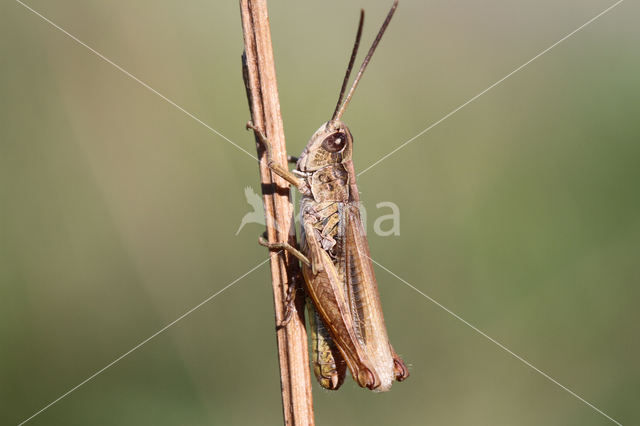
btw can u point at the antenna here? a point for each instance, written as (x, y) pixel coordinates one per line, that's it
(339, 111)
(354, 53)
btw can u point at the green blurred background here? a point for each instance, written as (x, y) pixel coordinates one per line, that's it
(521, 213)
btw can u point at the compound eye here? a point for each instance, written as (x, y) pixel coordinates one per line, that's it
(335, 142)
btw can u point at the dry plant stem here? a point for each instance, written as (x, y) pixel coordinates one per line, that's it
(262, 92)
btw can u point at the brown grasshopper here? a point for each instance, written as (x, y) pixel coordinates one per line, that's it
(348, 328)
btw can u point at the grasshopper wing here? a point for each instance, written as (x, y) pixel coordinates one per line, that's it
(365, 303)
(330, 298)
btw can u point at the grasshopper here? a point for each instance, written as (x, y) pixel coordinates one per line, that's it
(348, 329)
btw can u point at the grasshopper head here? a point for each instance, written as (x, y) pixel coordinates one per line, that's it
(331, 144)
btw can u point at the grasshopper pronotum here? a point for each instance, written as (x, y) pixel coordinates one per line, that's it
(348, 328)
